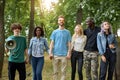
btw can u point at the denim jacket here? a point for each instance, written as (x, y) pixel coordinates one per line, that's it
(101, 42)
(36, 47)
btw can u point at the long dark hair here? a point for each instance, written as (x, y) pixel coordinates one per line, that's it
(41, 29)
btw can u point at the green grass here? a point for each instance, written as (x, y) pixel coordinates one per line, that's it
(47, 70)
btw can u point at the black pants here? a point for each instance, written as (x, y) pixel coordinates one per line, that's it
(109, 65)
(12, 67)
(77, 57)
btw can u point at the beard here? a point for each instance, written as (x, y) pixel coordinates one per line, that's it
(61, 24)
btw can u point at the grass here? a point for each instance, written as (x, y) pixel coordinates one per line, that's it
(47, 70)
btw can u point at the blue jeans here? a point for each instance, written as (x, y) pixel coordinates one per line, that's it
(109, 64)
(77, 57)
(37, 67)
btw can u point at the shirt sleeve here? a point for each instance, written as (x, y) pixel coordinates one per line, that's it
(30, 48)
(25, 43)
(99, 45)
(69, 36)
(52, 37)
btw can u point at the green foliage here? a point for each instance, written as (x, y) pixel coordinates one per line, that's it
(100, 10)
(16, 11)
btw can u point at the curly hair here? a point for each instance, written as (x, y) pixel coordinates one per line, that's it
(41, 29)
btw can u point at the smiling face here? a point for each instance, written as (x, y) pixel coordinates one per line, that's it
(90, 22)
(106, 26)
(38, 32)
(61, 21)
(79, 30)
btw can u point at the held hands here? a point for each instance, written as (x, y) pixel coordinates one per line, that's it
(68, 55)
(27, 60)
(103, 58)
(111, 46)
(50, 56)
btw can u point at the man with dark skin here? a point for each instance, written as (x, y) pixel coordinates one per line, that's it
(91, 51)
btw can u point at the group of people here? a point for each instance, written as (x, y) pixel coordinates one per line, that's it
(82, 48)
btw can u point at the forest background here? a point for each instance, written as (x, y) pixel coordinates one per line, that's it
(44, 13)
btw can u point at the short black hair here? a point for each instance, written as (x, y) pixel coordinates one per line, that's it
(89, 19)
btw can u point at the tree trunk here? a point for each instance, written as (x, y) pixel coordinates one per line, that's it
(117, 70)
(79, 15)
(2, 36)
(31, 27)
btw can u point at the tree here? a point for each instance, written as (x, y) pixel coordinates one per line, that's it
(2, 36)
(16, 11)
(79, 15)
(31, 27)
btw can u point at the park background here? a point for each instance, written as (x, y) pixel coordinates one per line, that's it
(44, 13)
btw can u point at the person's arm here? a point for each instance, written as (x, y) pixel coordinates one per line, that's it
(6, 50)
(69, 46)
(46, 46)
(114, 44)
(30, 48)
(69, 50)
(51, 48)
(100, 49)
(72, 44)
(52, 38)
(26, 56)
(26, 52)
(99, 44)
(85, 39)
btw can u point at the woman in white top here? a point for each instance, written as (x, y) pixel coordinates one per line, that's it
(77, 46)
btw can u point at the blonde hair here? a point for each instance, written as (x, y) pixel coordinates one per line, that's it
(80, 32)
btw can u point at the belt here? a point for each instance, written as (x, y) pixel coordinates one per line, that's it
(77, 51)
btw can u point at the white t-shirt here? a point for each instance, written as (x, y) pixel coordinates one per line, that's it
(78, 43)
